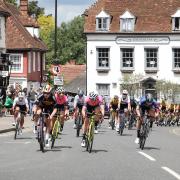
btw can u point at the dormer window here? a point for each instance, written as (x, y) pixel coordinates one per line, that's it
(176, 21)
(127, 21)
(102, 21)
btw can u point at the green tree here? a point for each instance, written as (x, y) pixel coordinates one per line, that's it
(131, 83)
(12, 2)
(34, 10)
(46, 24)
(71, 41)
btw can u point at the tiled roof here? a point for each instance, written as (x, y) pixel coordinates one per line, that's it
(3, 9)
(71, 72)
(151, 15)
(17, 37)
(78, 83)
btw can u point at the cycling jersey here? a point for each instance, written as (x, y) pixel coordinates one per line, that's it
(91, 105)
(79, 101)
(46, 103)
(23, 105)
(146, 106)
(61, 102)
(123, 104)
(114, 104)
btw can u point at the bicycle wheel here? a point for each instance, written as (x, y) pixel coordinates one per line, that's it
(91, 137)
(55, 132)
(41, 134)
(16, 129)
(78, 125)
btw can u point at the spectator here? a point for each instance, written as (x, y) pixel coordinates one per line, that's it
(32, 97)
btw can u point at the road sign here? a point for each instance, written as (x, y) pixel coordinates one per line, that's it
(56, 69)
(58, 80)
(4, 73)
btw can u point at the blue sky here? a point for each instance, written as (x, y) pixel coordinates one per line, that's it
(67, 9)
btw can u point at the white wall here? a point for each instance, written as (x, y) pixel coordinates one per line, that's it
(2, 38)
(114, 74)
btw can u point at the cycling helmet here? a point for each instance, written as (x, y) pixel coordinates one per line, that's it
(116, 97)
(93, 95)
(47, 88)
(21, 94)
(149, 97)
(60, 90)
(125, 92)
(80, 93)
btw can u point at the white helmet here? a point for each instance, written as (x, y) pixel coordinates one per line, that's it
(93, 95)
(125, 92)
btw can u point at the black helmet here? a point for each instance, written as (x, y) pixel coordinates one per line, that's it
(149, 97)
(80, 93)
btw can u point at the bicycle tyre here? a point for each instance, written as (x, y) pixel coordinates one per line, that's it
(91, 138)
(78, 125)
(16, 130)
(55, 132)
(41, 134)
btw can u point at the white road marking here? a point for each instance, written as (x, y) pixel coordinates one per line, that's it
(147, 156)
(170, 171)
(27, 142)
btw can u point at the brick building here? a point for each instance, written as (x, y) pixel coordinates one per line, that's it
(26, 49)
(132, 37)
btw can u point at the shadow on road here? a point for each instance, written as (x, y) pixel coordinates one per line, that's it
(150, 148)
(63, 147)
(23, 138)
(98, 150)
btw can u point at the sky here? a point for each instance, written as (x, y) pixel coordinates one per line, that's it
(67, 9)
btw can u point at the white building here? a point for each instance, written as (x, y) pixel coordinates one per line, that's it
(132, 38)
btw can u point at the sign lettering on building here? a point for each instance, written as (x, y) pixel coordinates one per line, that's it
(142, 40)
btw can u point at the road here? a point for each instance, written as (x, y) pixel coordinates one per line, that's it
(114, 157)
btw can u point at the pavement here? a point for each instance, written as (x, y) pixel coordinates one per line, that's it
(6, 123)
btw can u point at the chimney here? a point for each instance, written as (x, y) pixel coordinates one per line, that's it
(24, 7)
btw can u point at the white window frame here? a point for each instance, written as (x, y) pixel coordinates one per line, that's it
(21, 62)
(145, 59)
(98, 58)
(100, 86)
(104, 24)
(105, 21)
(34, 61)
(39, 61)
(173, 54)
(29, 62)
(174, 17)
(122, 58)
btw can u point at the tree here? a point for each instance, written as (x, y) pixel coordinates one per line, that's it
(167, 89)
(34, 10)
(46, 24)
(12, 2)
(71, 41)
(131, 83)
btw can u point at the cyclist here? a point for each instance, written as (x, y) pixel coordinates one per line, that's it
(20, 104)
(93, 103)
(124, 107)
(113, 109)
(47, 102)
(147, 105)
(61, 105)
(79, 102)
(163, 105)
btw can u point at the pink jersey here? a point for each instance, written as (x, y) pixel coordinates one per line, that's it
(61, 99)
(98, 101)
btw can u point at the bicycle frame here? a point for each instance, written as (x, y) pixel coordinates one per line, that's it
(145, 128)
(90, 134)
